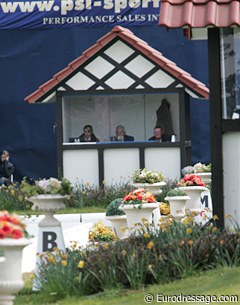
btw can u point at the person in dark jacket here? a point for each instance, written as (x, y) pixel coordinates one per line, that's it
(158, 136)
(6, 169)
(88, 135)
(121, 134)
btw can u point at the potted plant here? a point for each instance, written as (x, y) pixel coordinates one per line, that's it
(13, 238)
(47, 194)
(177, 199)
(151, 180)
(193, 186)
(138, 205)
(117, 217)
(204, 171)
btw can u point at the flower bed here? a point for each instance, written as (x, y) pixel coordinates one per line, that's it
(172, 251)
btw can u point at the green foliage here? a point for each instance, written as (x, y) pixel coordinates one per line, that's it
(176, 192)
(113, 208)
(12, 198)
(222, 281)
(175, 250)
(170, 184)
(86, 195)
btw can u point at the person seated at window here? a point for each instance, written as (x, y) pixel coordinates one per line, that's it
(159, 136)
(88, 135)
(121, 134)
(6, 169)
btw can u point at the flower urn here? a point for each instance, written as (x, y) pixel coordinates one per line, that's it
(150, 180)
(177, 205)
(48, 202)
(206, 177)
(136, 213)
(10, 269)
(117, 218)
(154, 188)
(194, 192)
(119, 224)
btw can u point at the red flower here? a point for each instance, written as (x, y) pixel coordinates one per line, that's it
(139, 196)
(191, 180)
(11, 226)
(16, 234)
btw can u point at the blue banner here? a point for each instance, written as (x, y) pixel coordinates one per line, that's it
(65, 13)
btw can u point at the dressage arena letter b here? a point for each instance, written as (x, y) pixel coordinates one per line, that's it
(49, 239)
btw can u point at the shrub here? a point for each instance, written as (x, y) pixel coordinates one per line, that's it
(113, 208)
(176, 192)
(170, 184)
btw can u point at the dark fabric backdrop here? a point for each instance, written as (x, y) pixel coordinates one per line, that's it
(28, 58)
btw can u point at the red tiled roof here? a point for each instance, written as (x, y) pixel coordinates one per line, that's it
(136, 43)
(199, 13)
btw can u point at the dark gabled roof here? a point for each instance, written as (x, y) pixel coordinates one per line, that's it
(46, 90)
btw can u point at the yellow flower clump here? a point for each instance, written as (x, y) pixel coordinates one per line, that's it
(100, 232)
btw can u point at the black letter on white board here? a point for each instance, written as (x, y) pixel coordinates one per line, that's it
(204, 201)
(49, 241)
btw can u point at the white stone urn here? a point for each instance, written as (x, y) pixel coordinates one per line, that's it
(10, 269)
(137, 212)
(118, 222)
(177, 205)
(194, 192)
(50, 234)
(48, 202)
(205, 176)
(154, 188)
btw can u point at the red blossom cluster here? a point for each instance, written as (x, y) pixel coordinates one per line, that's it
(191, 180)
(11, 226)
(138, 196)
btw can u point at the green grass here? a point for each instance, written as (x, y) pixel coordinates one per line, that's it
(91, 209)
(223, 281)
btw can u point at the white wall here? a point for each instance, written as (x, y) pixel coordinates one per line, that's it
(81, 166)
(231, 174)
(164, 159)
(119, 164)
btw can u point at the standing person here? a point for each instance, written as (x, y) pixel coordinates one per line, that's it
(121, 134)
(6, 169)
(88, 135)
(159, 136)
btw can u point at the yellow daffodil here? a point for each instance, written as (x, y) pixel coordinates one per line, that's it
(64, 263)
(146, 235)
(124, 252)
(150, 245)
(81, 264)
